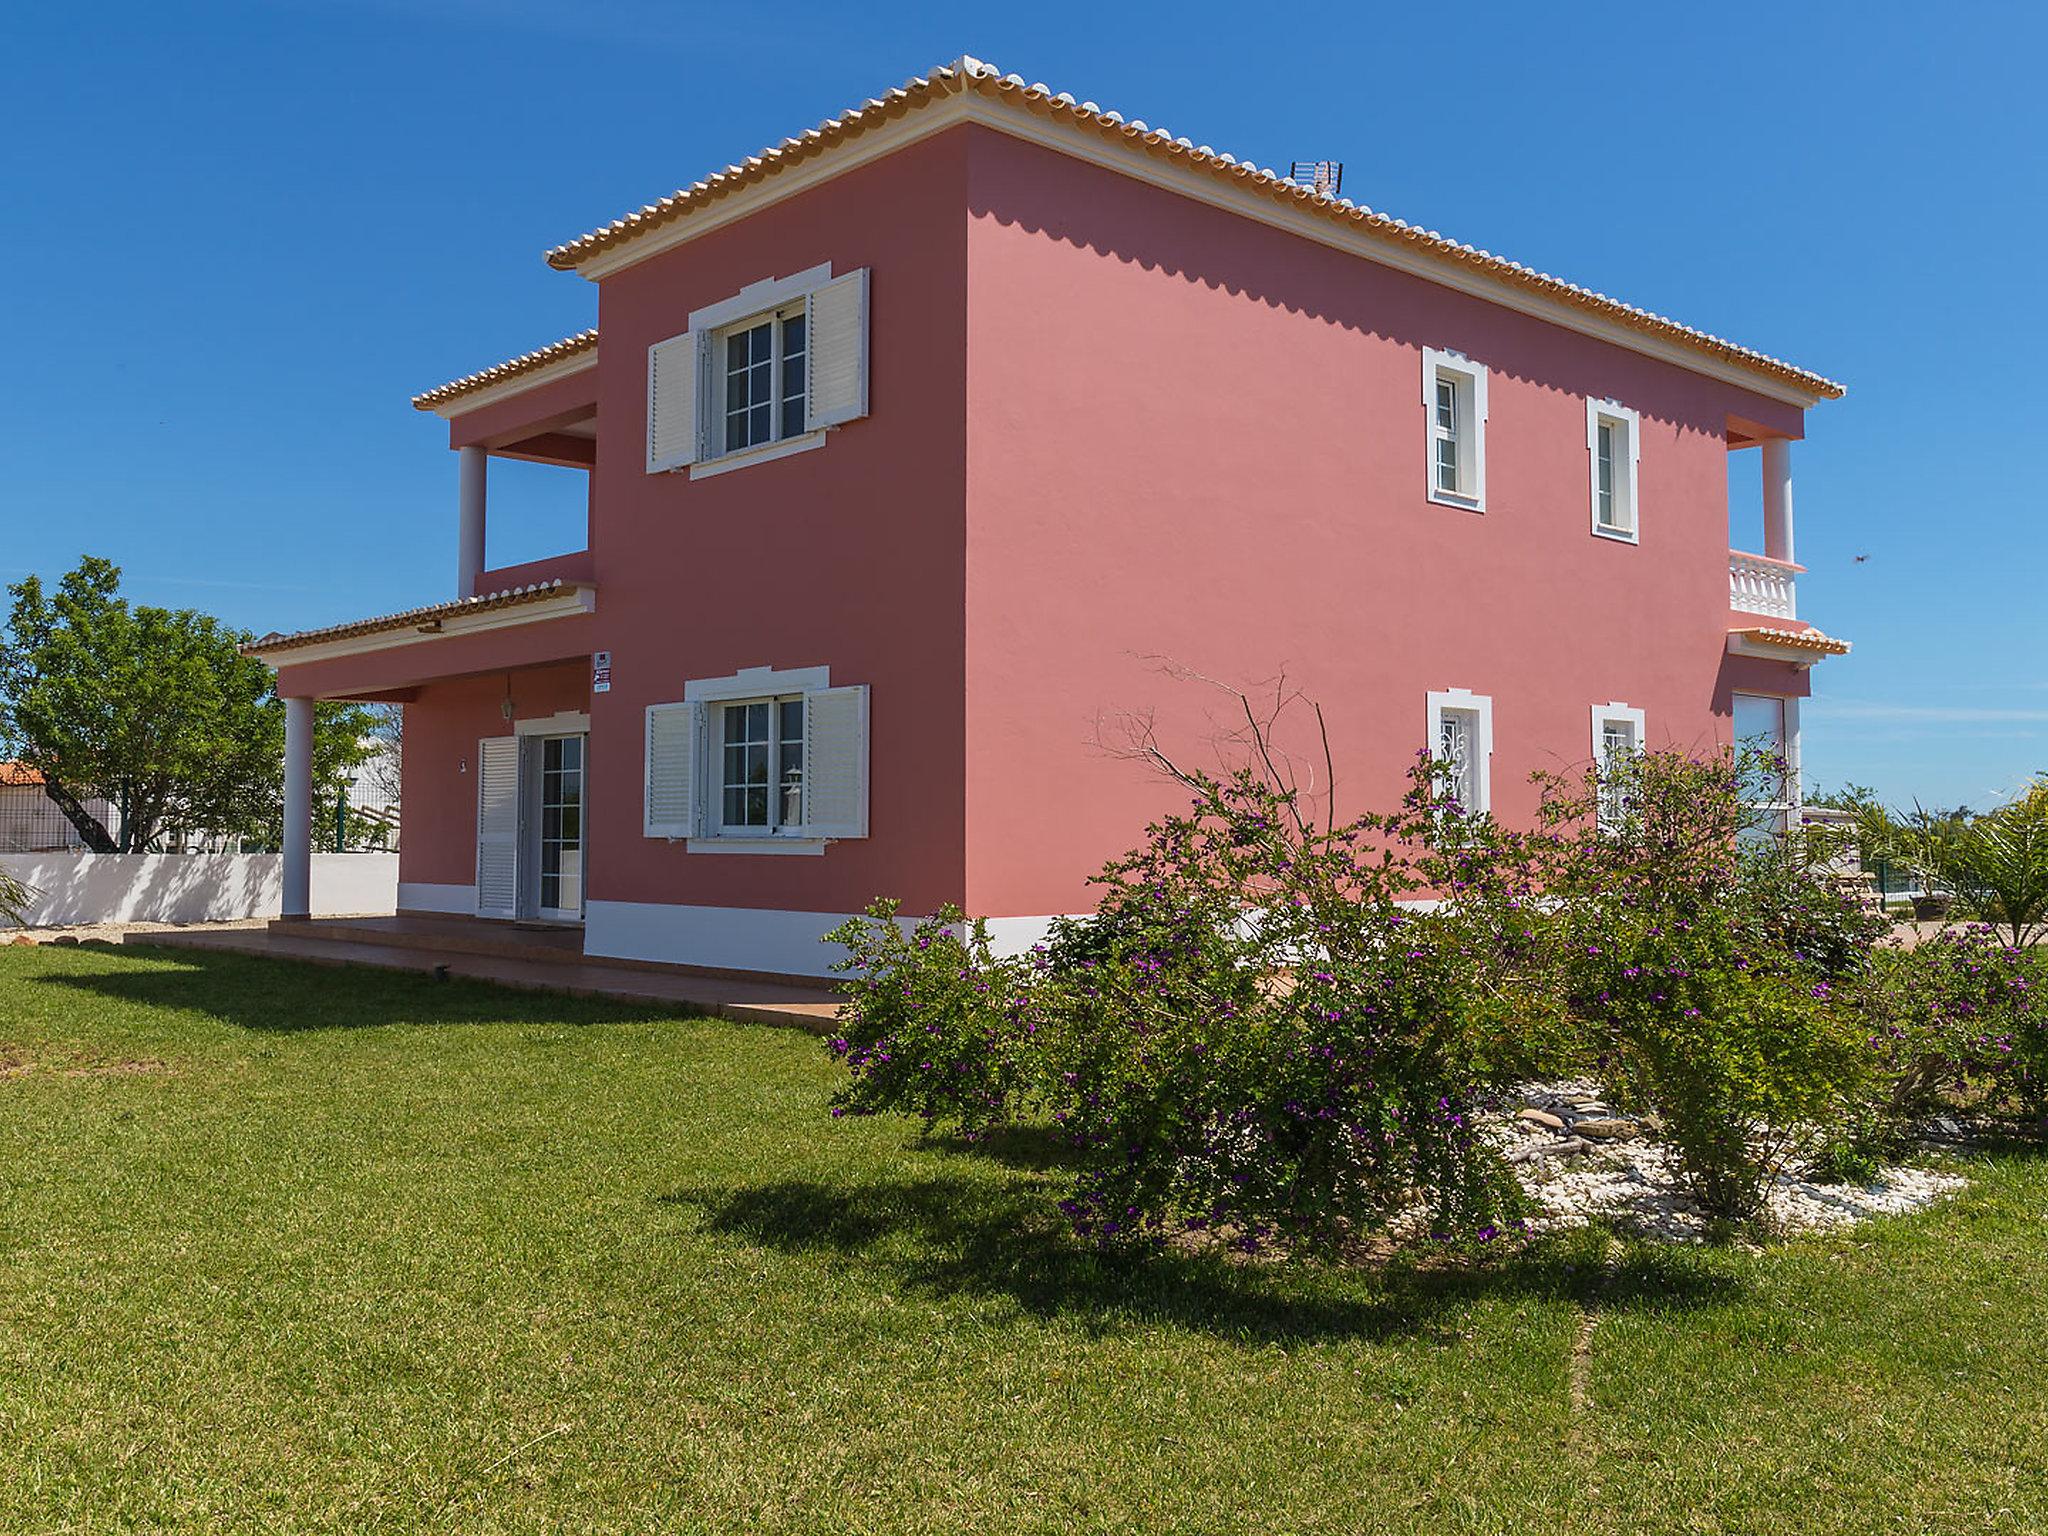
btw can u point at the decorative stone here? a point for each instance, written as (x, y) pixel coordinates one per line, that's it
(1607, 1130)
(1541, 1117)
(1566, 1148)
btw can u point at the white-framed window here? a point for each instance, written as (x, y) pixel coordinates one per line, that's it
(1454, 403)
(763, 761)
(1461, 741)
(1617, 736)
(1769, 723)
(760, 375)
(1613, 448)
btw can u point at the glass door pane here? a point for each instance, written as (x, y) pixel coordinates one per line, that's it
(561, 826)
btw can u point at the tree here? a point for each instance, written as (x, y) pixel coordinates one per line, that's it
(155, 710)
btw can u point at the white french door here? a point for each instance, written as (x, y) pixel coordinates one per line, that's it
(557, 833)
(530, 803)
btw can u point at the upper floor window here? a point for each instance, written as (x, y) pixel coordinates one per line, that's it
(1454, 396)
(765, 381)
(1613, 444)
(761, 374)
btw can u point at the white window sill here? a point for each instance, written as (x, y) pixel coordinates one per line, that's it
(1450, 499)
(761, 455)
(770, 845)
(1619, 535)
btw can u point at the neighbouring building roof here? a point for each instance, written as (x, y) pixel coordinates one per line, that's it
(427, 620)
(19, 776)
(966, 75)
(498, 373)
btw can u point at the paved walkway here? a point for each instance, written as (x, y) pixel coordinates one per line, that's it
(788, 1004)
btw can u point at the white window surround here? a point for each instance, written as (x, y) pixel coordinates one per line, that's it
(1468, 379)
(1628, 426)
(702, 697)
(566, 722)
(1480, 708)
(687, 374)
(1786, 708)
(1614, 711)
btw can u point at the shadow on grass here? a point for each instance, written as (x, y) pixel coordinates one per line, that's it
(276, 995)
(951, 1236)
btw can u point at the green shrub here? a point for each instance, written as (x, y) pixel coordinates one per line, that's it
(1959, 1019)
(933, 1023)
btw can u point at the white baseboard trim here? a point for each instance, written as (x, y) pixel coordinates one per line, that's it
(415, 896)
(745, 938)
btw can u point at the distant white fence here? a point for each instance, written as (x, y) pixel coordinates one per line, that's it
(192, 887)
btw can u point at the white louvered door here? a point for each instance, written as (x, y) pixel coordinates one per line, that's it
(497, 826)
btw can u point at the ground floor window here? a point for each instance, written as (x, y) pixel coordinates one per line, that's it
(1768, 724)
(761, 758)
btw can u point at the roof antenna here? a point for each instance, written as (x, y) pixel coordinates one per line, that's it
(1326, 176)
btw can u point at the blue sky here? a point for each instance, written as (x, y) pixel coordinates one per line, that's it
(241, 236)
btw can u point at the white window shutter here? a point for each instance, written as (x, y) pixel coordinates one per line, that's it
(675, 371)
(836, 762)
(674, 734)
(497, 826)
(838, 352)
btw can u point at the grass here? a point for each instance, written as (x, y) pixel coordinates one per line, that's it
(286, 1248)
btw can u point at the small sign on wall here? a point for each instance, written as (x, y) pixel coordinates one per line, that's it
(600, 671)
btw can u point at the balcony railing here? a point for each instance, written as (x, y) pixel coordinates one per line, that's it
(1760, 585)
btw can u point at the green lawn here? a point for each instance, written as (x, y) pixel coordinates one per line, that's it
(289, 1248)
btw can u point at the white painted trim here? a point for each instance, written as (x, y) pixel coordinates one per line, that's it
(1622, 416)
(760, 297)
(1124, 159)
(564, 722)
(505, 389)
(744, 458)
(754, 683)
(1437, 361)
(737, 844)
(747, 938)
(1614, 710)
(416, 896)
(1480, 705)
(572, 601)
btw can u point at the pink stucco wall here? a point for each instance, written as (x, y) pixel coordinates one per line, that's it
(442, 728)
(1109, 426)
(849, 556)
(1194, 437)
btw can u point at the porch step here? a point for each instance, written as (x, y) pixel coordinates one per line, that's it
(807, 1006)
(447, 936)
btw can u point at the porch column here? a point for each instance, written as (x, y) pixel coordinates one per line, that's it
(469, 532)
(298, 807)
(1778, 498)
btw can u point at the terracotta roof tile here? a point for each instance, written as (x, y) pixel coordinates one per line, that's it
(512, 368)
(412, 618)
(1798, 639)
(969, 74)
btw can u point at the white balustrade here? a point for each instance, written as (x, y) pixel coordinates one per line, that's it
(1758, 585)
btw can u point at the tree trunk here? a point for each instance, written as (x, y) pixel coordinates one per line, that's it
(87, 825)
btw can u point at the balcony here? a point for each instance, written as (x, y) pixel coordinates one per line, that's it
(1759, 584)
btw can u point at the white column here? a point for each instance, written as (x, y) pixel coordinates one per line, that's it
(298, 807)
(469, 535)
(1778, 498)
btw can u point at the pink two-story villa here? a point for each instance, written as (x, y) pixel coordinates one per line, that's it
(917, 441)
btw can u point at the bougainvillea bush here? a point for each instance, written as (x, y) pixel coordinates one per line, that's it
(1960, 1019)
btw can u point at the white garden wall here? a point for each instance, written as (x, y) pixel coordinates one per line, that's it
(192, 887)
